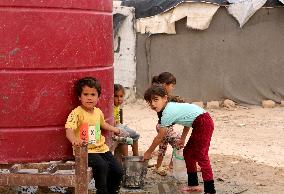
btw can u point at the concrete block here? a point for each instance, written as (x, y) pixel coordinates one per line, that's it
(213, 105)
(201, 104)
(268, 104)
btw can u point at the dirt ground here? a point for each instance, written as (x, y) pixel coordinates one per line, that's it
(246, 149)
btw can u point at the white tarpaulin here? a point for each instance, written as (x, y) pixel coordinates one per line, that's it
(199, 16)
(156, 24)
(242, 10)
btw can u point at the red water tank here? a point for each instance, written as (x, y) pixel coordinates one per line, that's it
(45, 46)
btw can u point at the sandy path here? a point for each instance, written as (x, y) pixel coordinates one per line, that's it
(249, 132)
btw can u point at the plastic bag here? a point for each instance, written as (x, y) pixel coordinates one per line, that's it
(179, 167)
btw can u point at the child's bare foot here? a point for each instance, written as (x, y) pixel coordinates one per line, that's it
(185, 189)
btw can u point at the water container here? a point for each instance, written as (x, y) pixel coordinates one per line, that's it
(134, 171)
(45, 46)
(179, 167)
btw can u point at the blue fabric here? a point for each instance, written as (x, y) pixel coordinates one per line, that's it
(132, 133)
(180, 113)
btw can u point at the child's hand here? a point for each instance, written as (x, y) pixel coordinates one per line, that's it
(77, 142)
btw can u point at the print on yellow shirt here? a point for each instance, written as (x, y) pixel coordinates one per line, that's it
(79, 118)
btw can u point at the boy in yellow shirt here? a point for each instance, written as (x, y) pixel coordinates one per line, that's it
(106, 170)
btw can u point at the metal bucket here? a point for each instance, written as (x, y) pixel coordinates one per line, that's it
(134, 171)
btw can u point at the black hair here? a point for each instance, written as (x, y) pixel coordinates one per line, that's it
(176, 99)
(155, 90)
(159, 90)
(118, 87)
(164, 78)
(90, 82)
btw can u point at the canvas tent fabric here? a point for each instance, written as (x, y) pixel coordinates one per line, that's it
(242, 10)
(158, 16)
(147, 8)
(156, 25)
(244, 65)
(199, 16)
(274, 3)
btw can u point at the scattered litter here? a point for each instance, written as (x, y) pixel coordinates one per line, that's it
(220, 179)
(241, 191)
(260, 184)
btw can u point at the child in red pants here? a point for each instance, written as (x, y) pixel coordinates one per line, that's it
(196, 149)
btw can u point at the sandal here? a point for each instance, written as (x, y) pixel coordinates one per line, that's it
(191, 189)
(160, 171)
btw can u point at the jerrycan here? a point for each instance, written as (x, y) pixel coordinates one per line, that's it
(179, 167)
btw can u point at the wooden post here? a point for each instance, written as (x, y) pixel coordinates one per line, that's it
(45, 175)
(81, 166)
